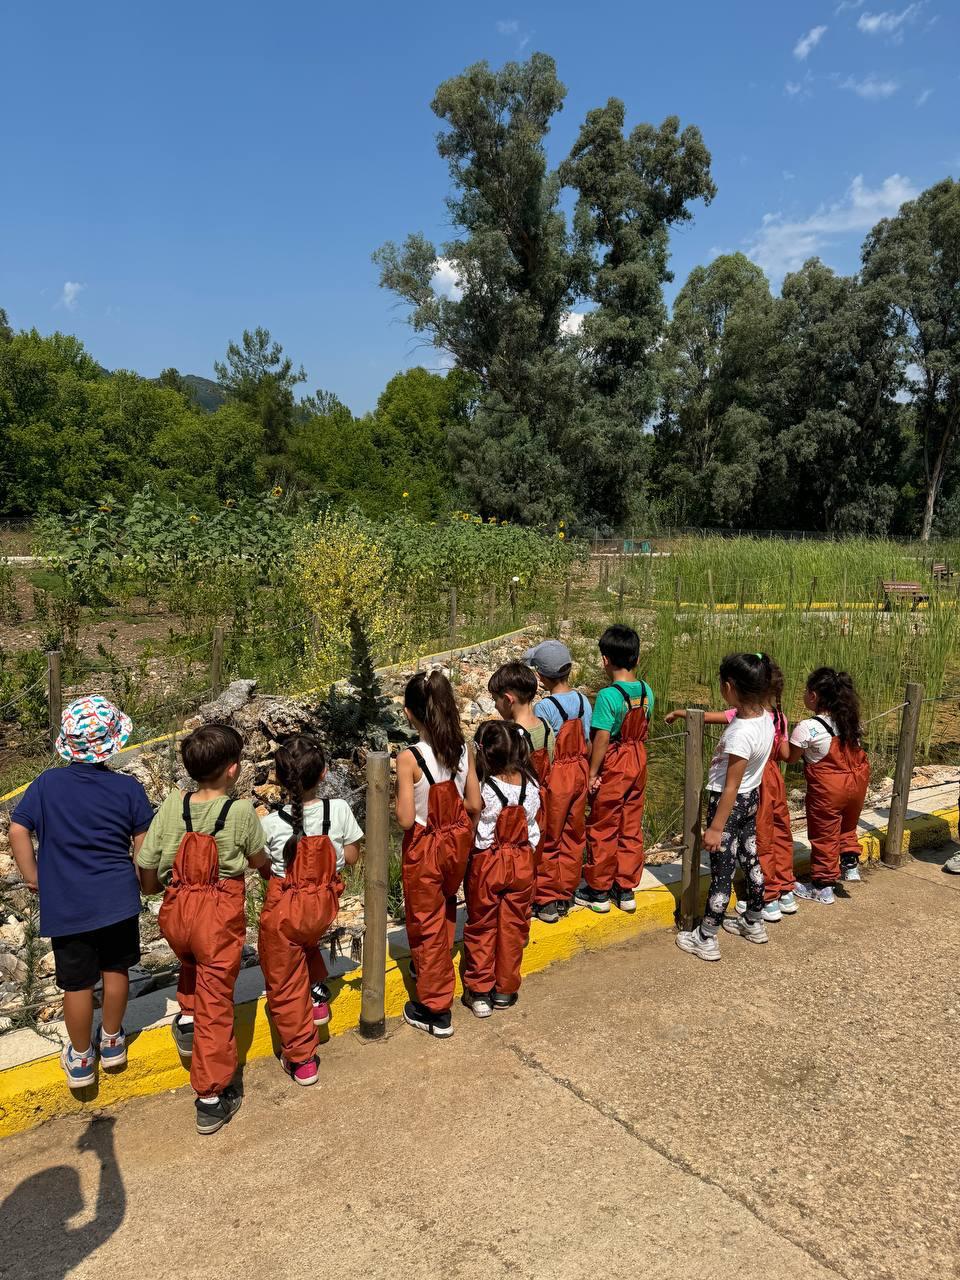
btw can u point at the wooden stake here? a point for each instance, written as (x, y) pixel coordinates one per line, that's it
(740, 591)
(216, 662)
(678, 592)
(376, 866)
(566, 596)
(54, 696)
(710, 592)
(620, 594)
(893, 851)
(453, 618)
(692, 800)
(813, 588)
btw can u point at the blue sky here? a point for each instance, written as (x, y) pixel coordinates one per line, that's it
(173, 174)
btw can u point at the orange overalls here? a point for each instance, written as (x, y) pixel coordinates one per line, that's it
(836, 789)
(774, 835)
(432, 869)
(615, 823)
(540, 760)
(203, 918)
(298, 910)
(563, 833)
(500, 886)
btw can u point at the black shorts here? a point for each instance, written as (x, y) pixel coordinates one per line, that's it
(81, 957)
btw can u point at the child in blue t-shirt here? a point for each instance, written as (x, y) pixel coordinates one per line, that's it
(88, 822)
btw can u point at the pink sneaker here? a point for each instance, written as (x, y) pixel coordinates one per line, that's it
(321, 1005)
(304, 1073)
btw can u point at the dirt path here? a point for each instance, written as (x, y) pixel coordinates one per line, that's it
(791, 1112)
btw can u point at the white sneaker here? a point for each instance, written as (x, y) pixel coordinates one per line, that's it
(695, 943)
(771, 910)
(753, 931)
(788, 904)
(851, 874)
(810, 893)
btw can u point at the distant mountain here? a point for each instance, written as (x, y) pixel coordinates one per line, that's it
(204, 392)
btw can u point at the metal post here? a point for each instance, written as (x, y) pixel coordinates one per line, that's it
(453, 617)
(54, 696)
(692, 799)
(376, 861)
(216, 662)
(893, 851)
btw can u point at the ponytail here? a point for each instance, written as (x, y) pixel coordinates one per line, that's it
(431, 702)
(751, 674)
(837, 696)
(503, 747)
(299, 765)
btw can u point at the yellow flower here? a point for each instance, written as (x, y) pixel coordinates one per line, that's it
(405, 494)
(562, 524)
(106, 509)
(504, 522)
(194, 519)
(276, 491)
(561, 535)
(75, 529)
(491, 520)
(230, 502)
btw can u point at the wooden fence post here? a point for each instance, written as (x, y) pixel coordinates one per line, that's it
(692, 799)
(492, 606)
(513, 600)
(216, 662)
(813, 588)
(376, 865)
(453, 617)
(678, 592)
(893, 852)
(710, 592)
(741, 587)
(620, 595)
(54, 696)
(566, 596)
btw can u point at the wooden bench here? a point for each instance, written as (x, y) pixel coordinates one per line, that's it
(942, 573)
(912, 591)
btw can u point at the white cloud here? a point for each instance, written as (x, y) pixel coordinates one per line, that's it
(806, 44)
(782, 245)
(70, 295)
(848, 4)
(924, 97)
(572, 323)
(446, 281)
(871, 87)
(508, 26)
(887, 23)
(799, 88)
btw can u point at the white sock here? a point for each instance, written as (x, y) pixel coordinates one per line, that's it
(186, 1020)
(82, 1053)
(213, 1098)
(111, 1035)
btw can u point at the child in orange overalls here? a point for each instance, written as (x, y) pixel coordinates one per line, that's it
(502, 872)
(774, 834)
(838, 775)
(308, 845)
(618, 777)
(199, 845)
(438, 801)
(513, 688)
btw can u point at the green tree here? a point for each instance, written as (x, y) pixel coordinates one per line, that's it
(258, 375)
(914, 259)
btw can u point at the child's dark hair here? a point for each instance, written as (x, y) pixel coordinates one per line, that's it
(751, 674)
(299, 764)
(837, 696)
(209, 750)
(775, 694)
(516, 678)
(503, 747)
(430, 700)
(621, 646)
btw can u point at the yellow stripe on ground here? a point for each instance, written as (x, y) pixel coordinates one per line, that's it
(35, 1091)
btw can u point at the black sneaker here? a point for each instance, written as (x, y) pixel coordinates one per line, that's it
(547, 912)
(563, 907)
(624, 898)
(182, 1037)
(435, 1024)
(596, 899)
(212, 1116)
(500, 1001)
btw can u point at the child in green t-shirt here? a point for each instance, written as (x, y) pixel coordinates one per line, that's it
(618, 777)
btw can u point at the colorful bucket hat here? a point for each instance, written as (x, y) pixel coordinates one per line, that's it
(92, 730)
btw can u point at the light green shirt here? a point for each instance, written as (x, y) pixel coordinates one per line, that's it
(610, 708)
(240, 840)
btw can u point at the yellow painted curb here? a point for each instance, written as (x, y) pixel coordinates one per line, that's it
(35, 1091)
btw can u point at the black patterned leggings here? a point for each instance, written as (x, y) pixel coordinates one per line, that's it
(737, 845)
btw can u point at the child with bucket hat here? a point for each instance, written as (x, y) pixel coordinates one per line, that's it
(88, 822)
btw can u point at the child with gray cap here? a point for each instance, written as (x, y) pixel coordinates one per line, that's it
(563, 840)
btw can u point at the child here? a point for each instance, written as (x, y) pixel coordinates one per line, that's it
(736, 772)
(199, 846)
(618, 777)
(563, 839)
(774, 834)
(838, 774)
(308, 846)
(86, 819)
(513, 688)
(501, 874)
(438, 801)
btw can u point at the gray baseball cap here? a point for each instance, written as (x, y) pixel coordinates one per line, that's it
(549, 658)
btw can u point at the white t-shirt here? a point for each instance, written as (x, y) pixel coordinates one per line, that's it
(344, 829)
(492, 808)
(421, 789)
(750, 739)
(814, 738)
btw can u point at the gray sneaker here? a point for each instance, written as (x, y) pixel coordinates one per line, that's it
(952, 865)
(703, 945)
(182, 1037)
(753, 931)
(212, 1116)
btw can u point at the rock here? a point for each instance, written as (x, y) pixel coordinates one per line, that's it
(236, 695)
(486, 705)
(12, 968)
(47, 966)
(193, 722)
(149, 928)
(14, 932)
(8, 868)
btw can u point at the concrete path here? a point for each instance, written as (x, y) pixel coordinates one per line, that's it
(790, 1113)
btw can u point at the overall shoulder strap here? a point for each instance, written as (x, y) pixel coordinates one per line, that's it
(422, 765)
(523, 790)
(326, 817)
(580, 707)
(282, 814)
(623, 694)
(559, 706)
(221, 821)
(497, 792)
(187, 819)
(820, 720)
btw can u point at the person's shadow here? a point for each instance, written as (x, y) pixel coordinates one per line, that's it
(40, 1243)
